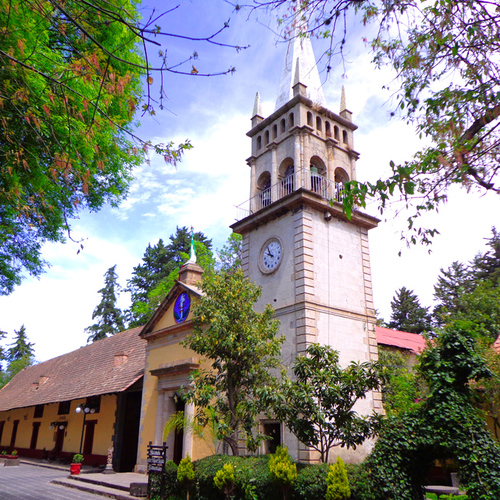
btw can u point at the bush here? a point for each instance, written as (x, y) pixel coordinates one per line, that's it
(337, 482)
(359, 481)
(311, 482)
(173, 490)
(225, 479)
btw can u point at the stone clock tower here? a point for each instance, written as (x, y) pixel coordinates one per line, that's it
(312, 261)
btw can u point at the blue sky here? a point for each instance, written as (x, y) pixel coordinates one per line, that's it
(214, 113)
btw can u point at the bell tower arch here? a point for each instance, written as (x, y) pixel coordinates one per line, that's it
(311, 260)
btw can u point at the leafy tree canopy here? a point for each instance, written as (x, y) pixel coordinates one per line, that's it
(241, 346)
(444, 54)
(109, 317)
(70, 84)
(317, 405)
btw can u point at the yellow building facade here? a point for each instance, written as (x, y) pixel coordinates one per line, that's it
(167, 373)
(85, 401)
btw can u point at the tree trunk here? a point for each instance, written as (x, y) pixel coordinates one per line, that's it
(233, 443)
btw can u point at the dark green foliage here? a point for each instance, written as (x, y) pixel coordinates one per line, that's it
(451, 286)
(158, 264)
(317, 406)
(21, 347)
(109, 317)
(403, 388)
(249, 470)
(481, 307)
(173, 489)
(487, 266)
(446, 425)
(407, 313)
(311, 482)
(359, 480)
(254, 472)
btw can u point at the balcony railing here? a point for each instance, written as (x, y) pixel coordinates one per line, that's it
(311, 181)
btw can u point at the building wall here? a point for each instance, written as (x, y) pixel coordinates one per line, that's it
(73, 423)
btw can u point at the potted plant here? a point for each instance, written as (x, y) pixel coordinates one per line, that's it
(76, 465)
(11, 459)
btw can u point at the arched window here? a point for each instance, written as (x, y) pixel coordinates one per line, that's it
(336, 133)
(275, 131)
(283, 126)
(259, 142)
(341, 177)
(328, 129)
(264, 186)
(318, 124)
(286, 172)
(290, 121)
(319, 182)
(309, 118)
(266, 138)
(344, 137)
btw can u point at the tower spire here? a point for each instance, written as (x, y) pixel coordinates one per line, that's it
(343, 106)
(299, 53)
(257, 107)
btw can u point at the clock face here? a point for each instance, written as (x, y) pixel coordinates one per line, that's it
(270, 255)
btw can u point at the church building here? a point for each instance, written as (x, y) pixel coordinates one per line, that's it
(312, 262)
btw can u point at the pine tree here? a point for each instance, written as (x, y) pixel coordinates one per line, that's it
(158, 262)
(452, 284)
(21, 347)
(407, 313)
(487, 266)
(109, 317)
(3, 352)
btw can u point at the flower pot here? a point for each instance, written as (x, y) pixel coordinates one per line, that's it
(74, 469)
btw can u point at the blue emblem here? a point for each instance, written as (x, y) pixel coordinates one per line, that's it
(181, 307)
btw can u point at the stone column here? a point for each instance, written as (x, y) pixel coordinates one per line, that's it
(187, 443)
(274, 174)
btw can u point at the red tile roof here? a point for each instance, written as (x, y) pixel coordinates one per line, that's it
(403, 340)
(104, 367)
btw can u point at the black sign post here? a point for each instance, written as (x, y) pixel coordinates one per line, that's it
(157, 456)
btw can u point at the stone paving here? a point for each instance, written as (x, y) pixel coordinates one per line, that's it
(29, 482)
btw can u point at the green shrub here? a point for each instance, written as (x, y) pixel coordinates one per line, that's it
(359, 481)
(253, 479)
(283, 470)
(225, 480)
(337, 482)
(185, 471)
(185, 474)
(310, 483)
(173, 490)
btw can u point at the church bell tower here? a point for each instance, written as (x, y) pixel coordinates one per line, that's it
(311, 261)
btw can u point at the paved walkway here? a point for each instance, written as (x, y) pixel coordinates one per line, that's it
(41, 481)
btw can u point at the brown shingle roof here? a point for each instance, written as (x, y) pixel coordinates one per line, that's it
(88, 371)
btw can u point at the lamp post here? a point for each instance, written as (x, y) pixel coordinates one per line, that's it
(85, 409)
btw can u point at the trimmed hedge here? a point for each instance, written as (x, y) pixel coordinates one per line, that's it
(254, 471)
